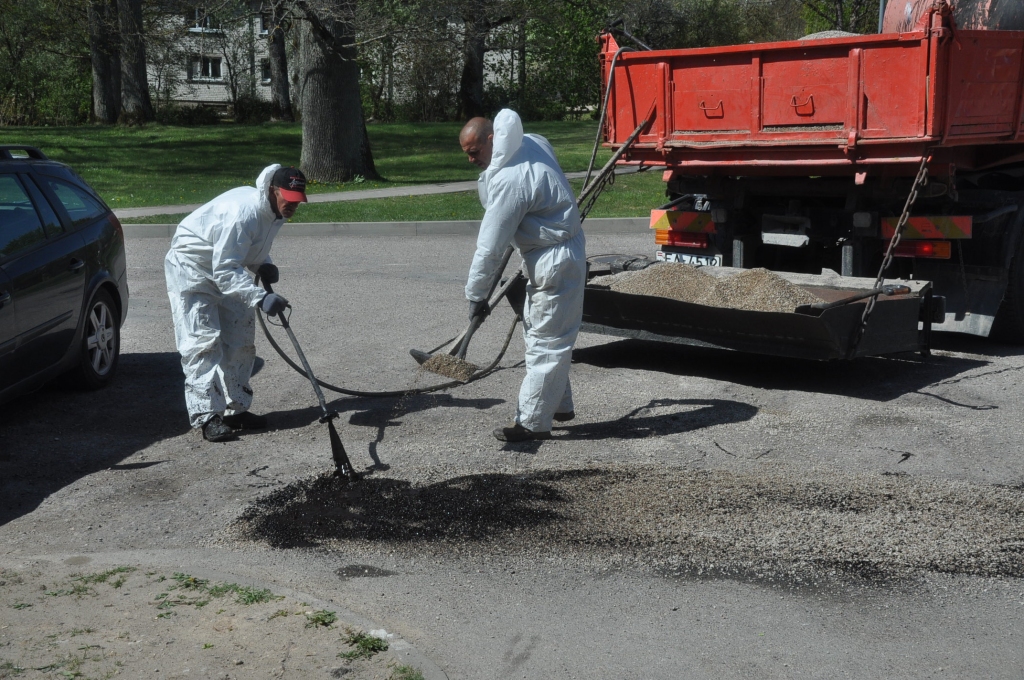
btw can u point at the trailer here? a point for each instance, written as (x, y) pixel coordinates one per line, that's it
(799, 157)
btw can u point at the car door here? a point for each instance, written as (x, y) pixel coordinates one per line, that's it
(46, 272)
(8, 331)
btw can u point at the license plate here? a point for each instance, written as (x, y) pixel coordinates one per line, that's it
(686, 258)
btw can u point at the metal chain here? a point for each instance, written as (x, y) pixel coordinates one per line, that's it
(920, 181)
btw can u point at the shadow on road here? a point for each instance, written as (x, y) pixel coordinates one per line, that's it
(874, 378)
(58, 435)
(378, 413)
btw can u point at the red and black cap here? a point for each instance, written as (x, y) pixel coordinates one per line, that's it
(292, 184)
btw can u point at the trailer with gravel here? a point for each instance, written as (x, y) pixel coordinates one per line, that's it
(803, 158)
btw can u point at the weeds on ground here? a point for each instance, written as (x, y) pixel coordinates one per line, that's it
(407, 673)
(102, 576)
(320, 617)
(20, 605)
(246, 595)
(365, 645)
(9, 669)
(78, 590)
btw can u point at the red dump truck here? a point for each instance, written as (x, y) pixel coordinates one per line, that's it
(799, 157)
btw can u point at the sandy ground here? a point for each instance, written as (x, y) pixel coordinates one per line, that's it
(537, 560)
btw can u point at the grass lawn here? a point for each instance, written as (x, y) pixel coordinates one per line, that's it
(166, 165)
(630, 196)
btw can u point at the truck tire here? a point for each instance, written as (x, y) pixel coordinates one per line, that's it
(1009, 322)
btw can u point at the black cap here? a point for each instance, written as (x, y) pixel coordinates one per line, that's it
(292, 184)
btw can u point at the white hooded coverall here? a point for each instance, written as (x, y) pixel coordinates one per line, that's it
(528, 201)
(213, 297)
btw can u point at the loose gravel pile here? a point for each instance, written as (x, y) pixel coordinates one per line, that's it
(779, 525)
(825, 35)
(450, 367)
(756, 290)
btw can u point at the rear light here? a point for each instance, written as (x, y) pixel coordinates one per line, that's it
(939, 250)
(682, 239)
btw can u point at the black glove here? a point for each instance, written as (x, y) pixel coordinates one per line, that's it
(268, 273)
(273, 304)
(478, 308)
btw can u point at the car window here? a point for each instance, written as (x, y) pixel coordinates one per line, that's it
(80, 205)
(20, 226)
(51, 225)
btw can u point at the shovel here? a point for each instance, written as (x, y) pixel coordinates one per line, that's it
(818, 308)
(461, 342)
(342, 465)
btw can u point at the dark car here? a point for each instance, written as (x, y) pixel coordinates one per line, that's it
(63, 290)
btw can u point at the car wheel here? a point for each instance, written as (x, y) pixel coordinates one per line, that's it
(101, 342)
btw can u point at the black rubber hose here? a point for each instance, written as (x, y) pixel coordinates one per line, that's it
(604, 108)
(392, 393)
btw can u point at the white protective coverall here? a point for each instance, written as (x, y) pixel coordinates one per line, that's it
(528, 201)
(213, 297)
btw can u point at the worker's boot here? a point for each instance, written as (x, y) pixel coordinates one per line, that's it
(246, 421)
(565, 417)
(518, 433)
(216, 430)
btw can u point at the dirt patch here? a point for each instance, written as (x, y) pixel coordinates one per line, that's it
(136, 623)
(808, 525)
(757, 290)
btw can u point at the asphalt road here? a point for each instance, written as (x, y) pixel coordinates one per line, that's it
(117, 477)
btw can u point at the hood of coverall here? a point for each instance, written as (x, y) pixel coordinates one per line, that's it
(508, 138)
(263, 187)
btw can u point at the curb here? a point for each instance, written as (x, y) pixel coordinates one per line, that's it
(597, 225)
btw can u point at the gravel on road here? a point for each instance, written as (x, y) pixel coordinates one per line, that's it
(777, 524)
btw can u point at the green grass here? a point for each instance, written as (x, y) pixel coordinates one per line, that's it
(364, 646)
(407, 673)
(167, 165)
(321, 617)
(630, 196)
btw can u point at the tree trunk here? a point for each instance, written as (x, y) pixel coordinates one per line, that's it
(280, 99)
(335, 146)
(471, 87)
(106, 64)
(135, 103)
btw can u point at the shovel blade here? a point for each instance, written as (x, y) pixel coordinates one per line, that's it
(343, 467)
(419, 355)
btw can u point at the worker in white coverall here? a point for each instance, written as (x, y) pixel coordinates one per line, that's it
(209, 270)
(528, 202)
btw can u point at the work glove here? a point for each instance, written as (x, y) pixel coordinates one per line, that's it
(273, 304)
(478, 308)
(269, 273)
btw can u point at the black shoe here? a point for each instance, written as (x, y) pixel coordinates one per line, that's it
(565, 417)
(216, 430)
(246, 421)
(518, 433)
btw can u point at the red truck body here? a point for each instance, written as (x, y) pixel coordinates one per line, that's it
(847, 105)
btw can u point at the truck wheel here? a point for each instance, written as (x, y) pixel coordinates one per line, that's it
(1009, 321)
(101, 342)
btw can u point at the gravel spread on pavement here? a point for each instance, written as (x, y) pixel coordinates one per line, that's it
(778, 524)
(450, 367)
(756, 290)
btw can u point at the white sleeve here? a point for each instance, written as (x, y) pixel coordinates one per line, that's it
(505, 210)
(232, 238)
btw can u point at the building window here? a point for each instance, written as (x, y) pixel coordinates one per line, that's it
(205, 68)
(200, 21)
(265, 22)
(265, 70)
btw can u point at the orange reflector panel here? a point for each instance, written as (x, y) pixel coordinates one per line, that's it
(939, 250)
(945, 226)
(682, 220)
(683, 239)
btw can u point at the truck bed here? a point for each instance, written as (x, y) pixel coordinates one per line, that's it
(833, 106)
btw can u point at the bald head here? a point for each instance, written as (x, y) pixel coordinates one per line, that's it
(477, 140)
